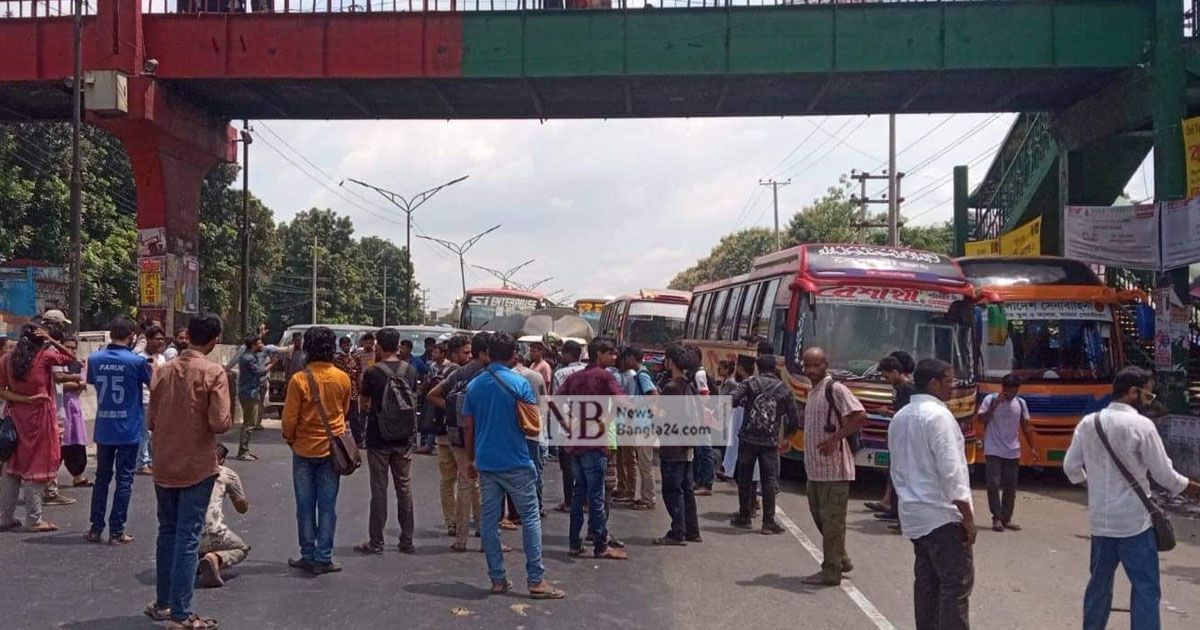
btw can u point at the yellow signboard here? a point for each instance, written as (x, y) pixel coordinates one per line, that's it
(1026, 240)
(1191, 142)
(150, 279)
(990, 247)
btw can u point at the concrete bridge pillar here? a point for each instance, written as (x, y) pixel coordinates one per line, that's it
(172, 144)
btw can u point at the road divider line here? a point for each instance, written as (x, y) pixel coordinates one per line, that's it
(847, 586)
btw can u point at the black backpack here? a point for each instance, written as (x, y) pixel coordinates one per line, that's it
(762, 415)
(397, 415)
(854, 440)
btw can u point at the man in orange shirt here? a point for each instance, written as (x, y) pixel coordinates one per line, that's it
(189, 407)
(316, 482)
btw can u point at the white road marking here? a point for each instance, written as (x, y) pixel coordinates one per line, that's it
(847, 586)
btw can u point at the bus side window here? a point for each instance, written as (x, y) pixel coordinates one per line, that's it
(729, 322)
(762, 327)
(701, 307)
(749, 303)
(619, 324)
(693, 310)
(718, 313)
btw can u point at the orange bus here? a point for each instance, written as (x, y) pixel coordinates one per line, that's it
(859, 303)
(1062, 339)
(649, 319)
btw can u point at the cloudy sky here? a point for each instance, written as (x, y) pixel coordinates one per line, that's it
(604, 207)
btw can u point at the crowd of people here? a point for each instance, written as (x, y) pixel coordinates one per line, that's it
(478, 403)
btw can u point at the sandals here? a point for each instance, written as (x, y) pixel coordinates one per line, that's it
(193, 622)
(123, 539)
(503, 548)
(551, 593)
(40, 528)
(613, 553)
(247, 457)
(459, 547)
(508, 525)
(157, 613)
(641, 505)
(501, 587)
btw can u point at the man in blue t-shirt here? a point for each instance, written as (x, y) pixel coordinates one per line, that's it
(118, 376)
(499, 456)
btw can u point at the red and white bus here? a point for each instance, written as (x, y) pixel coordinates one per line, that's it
(498, 310)
(649, 319)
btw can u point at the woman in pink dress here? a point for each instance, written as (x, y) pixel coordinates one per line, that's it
(27, 383)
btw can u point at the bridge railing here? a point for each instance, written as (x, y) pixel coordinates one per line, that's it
(59, 8)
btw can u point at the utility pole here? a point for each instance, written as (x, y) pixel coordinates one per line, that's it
(775, 193)
(76, 255)
(505, 276)
(893, 186)
(461, 250)
(314, 281)
(384, 296)
(408, 206)
(864, 201)
(245, 275)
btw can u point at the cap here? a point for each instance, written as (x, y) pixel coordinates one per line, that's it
(56, 316)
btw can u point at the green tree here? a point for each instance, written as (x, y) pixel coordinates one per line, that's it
(733, 255)
(829, 219)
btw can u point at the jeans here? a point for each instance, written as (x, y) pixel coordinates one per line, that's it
(316, 486)
(704, 467)
(681, 503)
(124, 459)
(827, 503)
(1139, 555)
(943, 576)
(180, 522)
(535, 453)
(145, 457)
(397, 461)
(766, 459)
(520, 484)
(1002, 486)
(590, 468)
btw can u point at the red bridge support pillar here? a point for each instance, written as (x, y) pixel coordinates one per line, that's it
(172, 145)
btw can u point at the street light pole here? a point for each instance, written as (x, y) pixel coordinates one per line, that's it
(245, 275)
(461, 249)
(74, 304)
(385, 296)
(505, 276)
(408, 205)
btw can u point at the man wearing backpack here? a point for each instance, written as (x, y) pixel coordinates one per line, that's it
(389, 395)
(1005, 417)
(768, 407)
(831, 415)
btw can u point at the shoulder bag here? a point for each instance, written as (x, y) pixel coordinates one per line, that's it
(529, 417)
(1164, 533)
(342, 448)
(854, 440)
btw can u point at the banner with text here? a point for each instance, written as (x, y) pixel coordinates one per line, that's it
(1180, 233)
(1126, 236)
(1025, 240)
(990, 247)
(1191, 143)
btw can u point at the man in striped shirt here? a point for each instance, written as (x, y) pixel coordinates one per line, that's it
(831, 414)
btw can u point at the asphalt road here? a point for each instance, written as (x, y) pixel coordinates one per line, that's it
(734, 579)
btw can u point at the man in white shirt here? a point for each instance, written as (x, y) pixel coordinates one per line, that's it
(572, 354)
(930, 476)
(1120, 524)
(1005, 417)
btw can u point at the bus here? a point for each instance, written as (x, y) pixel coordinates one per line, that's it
(857, 302)
(589, 309)
(1062, 339)
(649, 319)
(498, 310)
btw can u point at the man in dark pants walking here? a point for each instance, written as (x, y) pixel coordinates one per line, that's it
(571, 353)
(676, 461)
(929, 470)
(1006, 417)
(768, 407)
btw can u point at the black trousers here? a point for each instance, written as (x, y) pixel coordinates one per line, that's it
(568, 476)
(767, 458)
(677, 492)
(74, 457)
(1002, 476)
(943, 576)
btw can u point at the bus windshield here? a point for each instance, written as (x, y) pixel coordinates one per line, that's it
(590, 311)
(497, 313)
(1045, 346)
(856, 336)
(653, 325)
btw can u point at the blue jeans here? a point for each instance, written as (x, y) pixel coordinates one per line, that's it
(316, 485)
(180, 521)
(144, 456)
(124, 460)
(1139, 555)
(521, 485)
(705, 467)
(539, 460)
(589, 468)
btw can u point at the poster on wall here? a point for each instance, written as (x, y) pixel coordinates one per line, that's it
(151, 270)
(1170, 329)
(1180, 233)
(990, 247)
(1191, 143)
(1025, 240)
(187, 286)
(1125, 236)
(152, 242)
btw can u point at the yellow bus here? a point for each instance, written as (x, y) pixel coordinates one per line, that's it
(859, 303)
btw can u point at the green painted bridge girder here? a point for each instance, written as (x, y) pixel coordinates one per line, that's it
(1002, 35)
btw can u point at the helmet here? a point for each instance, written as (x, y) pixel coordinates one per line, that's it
(551, 340)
